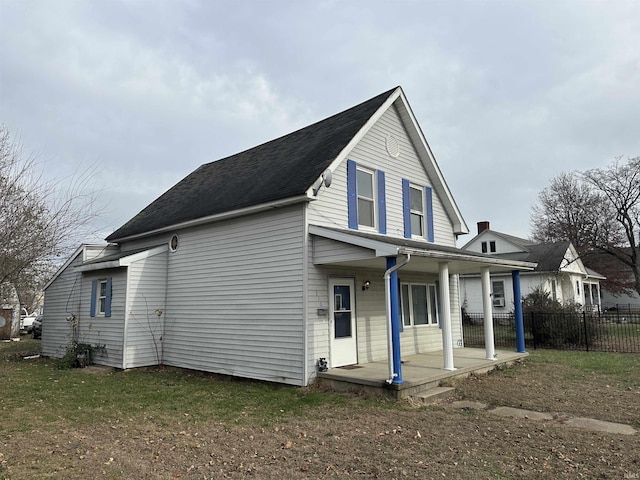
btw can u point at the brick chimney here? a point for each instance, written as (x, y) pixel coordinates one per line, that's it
(482, 226)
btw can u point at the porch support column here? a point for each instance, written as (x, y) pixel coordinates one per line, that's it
(445, 312)
(394, 305)
(517, 303)
(487, 305)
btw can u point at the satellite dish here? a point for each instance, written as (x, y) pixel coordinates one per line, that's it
(326, 177)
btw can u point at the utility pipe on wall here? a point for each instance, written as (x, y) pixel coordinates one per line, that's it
(393, 334)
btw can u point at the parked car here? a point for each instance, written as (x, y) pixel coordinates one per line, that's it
(27, 322)
(36, 328)
(23, 314)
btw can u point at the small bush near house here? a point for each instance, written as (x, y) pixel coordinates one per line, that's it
(552, 324)
(80, 355)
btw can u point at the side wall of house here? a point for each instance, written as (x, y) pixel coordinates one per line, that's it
(69, 296)
(61, 299)
(330, 209)
(101, 330)
(146, 306)
(235, 297)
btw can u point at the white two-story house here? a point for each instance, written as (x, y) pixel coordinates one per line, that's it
(334, 242)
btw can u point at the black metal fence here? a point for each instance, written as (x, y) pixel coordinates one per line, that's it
(607, 331)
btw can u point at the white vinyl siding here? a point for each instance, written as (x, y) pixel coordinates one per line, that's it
(146, 311)
(101, 330)
(235, 297)
(70, 295)
(330, 209)
(61, 299)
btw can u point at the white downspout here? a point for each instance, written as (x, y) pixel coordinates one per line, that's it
(387, 286)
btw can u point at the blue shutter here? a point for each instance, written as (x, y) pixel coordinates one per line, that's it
(429, 213)
(94, 291)
(107, 302)
(382, 204)
(406, 208)
(352, 194)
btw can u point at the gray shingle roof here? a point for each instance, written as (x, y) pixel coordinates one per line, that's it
(282, 168)
(548, 256)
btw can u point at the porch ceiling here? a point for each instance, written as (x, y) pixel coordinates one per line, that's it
(368, 250)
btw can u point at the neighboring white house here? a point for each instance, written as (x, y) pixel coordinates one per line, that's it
(559, 271)
(260, 264)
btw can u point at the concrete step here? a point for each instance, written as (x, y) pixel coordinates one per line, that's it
(433, 395)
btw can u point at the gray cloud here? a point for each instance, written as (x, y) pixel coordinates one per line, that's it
(509, 94)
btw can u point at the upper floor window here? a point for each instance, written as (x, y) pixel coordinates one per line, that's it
(366, 199)
(492, 246)
(417, 211)
(417, 205)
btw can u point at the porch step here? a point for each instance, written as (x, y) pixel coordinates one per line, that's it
(433, 395)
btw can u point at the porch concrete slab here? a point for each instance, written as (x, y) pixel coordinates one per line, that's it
(601, 426)
(521, 413)
(419, 372)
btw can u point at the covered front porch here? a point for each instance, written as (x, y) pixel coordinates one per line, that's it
(420, 372)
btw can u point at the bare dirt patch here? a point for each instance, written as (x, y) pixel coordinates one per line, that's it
(347, 439)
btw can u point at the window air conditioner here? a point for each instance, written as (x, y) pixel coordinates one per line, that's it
(498, 302)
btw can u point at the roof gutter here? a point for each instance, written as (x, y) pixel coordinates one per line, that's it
(217, 217)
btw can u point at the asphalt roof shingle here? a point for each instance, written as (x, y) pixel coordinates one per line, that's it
(282, 168)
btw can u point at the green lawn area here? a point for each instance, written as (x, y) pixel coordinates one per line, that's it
(173, 423)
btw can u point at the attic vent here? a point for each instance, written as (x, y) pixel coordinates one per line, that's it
(392, 146)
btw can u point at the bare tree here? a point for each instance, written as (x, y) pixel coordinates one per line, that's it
(599, 212)
(40, 220)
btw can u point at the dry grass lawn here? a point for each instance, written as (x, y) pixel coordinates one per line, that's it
(175, 424)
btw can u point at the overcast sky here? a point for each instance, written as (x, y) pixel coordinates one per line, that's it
(508, 93)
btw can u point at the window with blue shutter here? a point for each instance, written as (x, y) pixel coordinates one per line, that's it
(366, 202)
(101, 292)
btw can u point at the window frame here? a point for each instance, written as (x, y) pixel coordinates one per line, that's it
(419, 213)
(373, 199)
(498, 295)
(101, 297)
(433, 315)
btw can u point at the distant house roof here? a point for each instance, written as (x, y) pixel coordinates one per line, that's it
(279, 169)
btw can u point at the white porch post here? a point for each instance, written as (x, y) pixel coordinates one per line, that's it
(445, 313)
(488, 314)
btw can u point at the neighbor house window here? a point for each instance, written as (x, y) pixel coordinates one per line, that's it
(484, 247)
(101, 297)
(419, 304)
(366, 202)
(498, 293)
(492, 246)
(554, 290)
